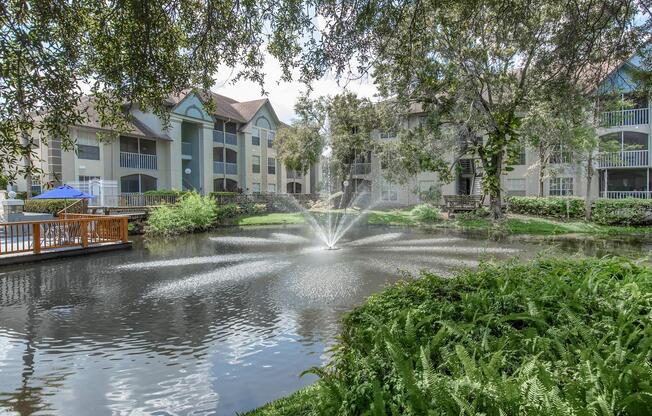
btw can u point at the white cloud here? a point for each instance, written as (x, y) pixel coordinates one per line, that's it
(283, 95)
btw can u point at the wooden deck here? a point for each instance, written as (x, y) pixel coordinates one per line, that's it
(66, 234)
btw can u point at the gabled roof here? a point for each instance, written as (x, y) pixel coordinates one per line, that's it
(92, 120)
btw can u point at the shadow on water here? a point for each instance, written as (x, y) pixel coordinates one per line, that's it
(214, 323)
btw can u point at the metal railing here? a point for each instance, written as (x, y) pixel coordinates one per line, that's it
(225, 167)
(361, 168)
(68, 231)
(138, 161)
(627, 158)
(186, 148)
(138, 199)
(631, 117)
(627, 194)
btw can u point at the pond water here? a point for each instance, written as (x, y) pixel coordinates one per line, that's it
(211, 323)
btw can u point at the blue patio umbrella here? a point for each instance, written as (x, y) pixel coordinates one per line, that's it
(64, 192)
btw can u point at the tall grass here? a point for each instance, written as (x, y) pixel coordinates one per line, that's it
(552, 337)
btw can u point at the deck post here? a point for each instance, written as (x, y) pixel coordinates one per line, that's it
(124, 225)
(36, 236)
(84, 232)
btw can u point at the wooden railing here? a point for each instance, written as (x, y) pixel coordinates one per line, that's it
(627, 158)
(67, 231)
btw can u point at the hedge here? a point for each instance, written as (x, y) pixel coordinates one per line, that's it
(551, 206)
(52, 206)
(166, 192)
(630, 211)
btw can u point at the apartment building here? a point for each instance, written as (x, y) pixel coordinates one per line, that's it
(622, 161)
(227, 149)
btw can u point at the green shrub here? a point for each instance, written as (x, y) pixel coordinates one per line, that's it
(426, 213)
(166, 192)
(191, 213)
(549, 206)
(52, 206)
(222, 193)
(630, 211)
(227, 213)
(551, 337)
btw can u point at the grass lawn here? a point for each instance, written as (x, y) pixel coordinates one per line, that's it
(513, 224)
(548, 337)
(272, 219)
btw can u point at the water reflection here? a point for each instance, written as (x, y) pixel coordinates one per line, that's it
(209, 323)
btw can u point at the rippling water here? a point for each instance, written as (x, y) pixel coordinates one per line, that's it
(207, 324)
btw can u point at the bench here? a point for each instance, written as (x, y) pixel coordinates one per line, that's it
(455, 203)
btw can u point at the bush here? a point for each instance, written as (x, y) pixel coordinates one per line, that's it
(192, 213)
(227, 213)
(426, 213)
(551, 337)
(53, 206)
(550, 206)
(628, 211)
(166, 192)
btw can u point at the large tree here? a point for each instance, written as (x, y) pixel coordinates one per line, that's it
(478, 66)
(125, 53)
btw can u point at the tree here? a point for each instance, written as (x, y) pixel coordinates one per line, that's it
(127, 53)
(478, 66)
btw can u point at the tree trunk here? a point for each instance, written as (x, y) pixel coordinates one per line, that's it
(589, 179)
(542, 170)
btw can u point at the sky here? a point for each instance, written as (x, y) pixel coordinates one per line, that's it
(284, 95)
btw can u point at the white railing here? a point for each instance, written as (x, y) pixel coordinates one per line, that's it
(627, 194)
(231, 168)
(632, 117)
(292, 174)
(627, 158)
(231, 138)
(138, 161)
(218, 136)
(186, 148)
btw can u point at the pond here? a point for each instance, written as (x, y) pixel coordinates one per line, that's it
(211, 323)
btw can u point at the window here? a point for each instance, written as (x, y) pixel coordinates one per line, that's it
(293, 188)
(271, 165)
(388, 191)
(255, 187)
(147, 147)
(134, 145)
(560, 156)
(388, 134)
(561, 187)
(271, 188)
(516, 187)
(85, 178)
(270, 139)
(255, 164)
(255, 136)
(36, 185)
(88, 152)
(519, 158)
(137, 183)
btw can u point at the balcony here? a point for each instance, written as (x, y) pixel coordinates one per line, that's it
(222, 137)
(218, 136)
(625, 159)
(627, 194)
(361, 168)
(292, 174)
(138, 161)
(225, 167)
(621, 118)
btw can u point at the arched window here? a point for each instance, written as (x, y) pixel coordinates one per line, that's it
(225, 185)
(264, 123)
(293, 188)
(137, 183)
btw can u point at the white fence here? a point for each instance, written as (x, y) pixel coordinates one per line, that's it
(628, 158)
(632, 117)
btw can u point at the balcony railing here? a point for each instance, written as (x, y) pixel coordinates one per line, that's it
(231, 138)
(138, 161)
(361, 168)
(628, 158)
(632, 117)
(291, 174)
(218, 136)
(186, 148)
(225, 167)
(627, 194)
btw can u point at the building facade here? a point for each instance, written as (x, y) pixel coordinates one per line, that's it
(622, 163)
(228, 149)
